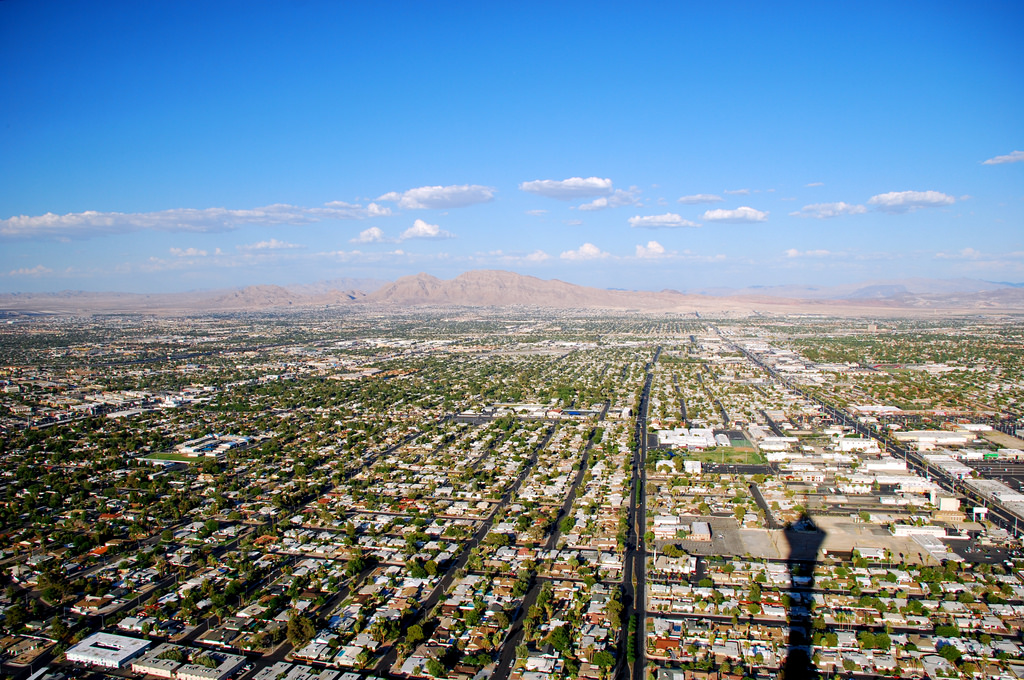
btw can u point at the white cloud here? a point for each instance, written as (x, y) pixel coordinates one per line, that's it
(690, 256)
(596, 204)
(700, 198)
(793, 252)
(371, 210)
(506, 258)
(569, 189)
(421, 229)
(587, 251)
(454, 196)
(618, 198)
(536, 213)
(92, 223)
(908, 201)
(963, 254)
(188, 252)
(823, 210)
(737, 192)
(371, 235)
(653, 249)
(1007, 263)
(272, 244)
(38, 270)
(1012, 157)
(815, 184)
(666, 221)
(573, 223)
(396, 256)
(741, 214)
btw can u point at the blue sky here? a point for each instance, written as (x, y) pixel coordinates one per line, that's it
(150, 146)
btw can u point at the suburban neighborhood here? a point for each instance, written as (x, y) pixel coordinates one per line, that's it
(525, 495)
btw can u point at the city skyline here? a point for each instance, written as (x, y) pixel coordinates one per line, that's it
(165, 147)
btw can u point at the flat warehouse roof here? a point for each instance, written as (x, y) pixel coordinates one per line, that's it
(104, 649)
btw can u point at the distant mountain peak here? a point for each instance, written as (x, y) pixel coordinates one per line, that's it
(498, 288)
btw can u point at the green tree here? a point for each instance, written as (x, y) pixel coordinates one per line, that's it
(416, 569)
(414, 635)
(435, 667)
(15, 616)
(559, 638)
(604, 660)
(59, 630)
(300, 631)
(173, 654)
(614, 611)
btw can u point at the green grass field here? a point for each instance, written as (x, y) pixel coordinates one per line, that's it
(177, 457)
(727, 454)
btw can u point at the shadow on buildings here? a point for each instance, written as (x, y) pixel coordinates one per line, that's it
(804, 540)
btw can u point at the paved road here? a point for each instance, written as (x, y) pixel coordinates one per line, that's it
(998, 514)
(759, 499)
(682, 400)
(634, 576)
(515, 635)
(391, 657)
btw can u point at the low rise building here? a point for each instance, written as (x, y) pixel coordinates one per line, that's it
(106, 650)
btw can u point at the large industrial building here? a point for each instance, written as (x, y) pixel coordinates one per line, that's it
(106, 650)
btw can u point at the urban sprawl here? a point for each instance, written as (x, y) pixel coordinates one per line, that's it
(455, 493)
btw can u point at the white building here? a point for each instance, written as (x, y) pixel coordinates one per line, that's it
(229, 663)
(106, 650)
(777, 443)
(927, 440)
(885, 464)
(694, 438)
(701, 531)
(914, 530)
(948, 464)
(849, 444)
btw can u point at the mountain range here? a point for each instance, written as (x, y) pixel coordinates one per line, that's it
(488, 288)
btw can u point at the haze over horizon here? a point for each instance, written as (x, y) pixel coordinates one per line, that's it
(162, 146)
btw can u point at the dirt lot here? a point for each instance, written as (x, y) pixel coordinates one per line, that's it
(1004, 440)
(760, 543)
(834, 534)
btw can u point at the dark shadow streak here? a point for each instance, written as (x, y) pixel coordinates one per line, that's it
(804, 539)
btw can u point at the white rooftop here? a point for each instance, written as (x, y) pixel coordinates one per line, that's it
(104, 649)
